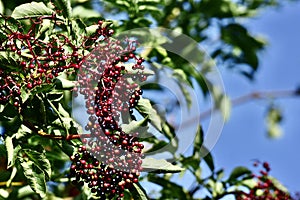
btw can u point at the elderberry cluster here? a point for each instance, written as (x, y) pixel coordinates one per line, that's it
(108, 79)
(36, 58)
(9, 89)
(104, 180)
(265, 187)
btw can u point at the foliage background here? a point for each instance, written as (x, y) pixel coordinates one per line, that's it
(215, 24)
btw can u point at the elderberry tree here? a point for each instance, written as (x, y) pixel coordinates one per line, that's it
(58, 57)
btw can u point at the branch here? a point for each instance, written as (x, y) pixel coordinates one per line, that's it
(247, 98)
(12, 183)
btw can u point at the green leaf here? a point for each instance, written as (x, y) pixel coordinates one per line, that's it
(237, 173)
(147, 8)
(169, 132)
(160, 166)
(170, 190)
(198, 141)
(62, 83)
(23, 130)
(135, 126)
(62, 111)
(2, 108)
(1, 7)
(35, 176)
(12, 176)
(209, 161)
(40, 161)
(131, 71)
(278, 185)
(144, 107)
(24, 94)
(250, 183)
(208, 158)
(3, 151)
(55, 96)
(221, 102)
(9, 59)
(162, 51)
(91, 29)
(82, 12)
(190, 161)
(138, 192)
(64, 6)
(10, 151)
(183, 83)
(32, 9)
(273, 120)
(8, 112)
(78, 30)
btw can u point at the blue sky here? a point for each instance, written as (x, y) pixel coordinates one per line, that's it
(244, 136)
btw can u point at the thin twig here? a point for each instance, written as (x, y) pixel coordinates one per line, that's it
(247, 98)
(12, 183)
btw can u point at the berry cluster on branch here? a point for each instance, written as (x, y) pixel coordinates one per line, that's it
(108, 79)
(108, 72)
(36, 58)
(265, 187)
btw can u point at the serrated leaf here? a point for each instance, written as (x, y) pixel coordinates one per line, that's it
(40, 161)
(11, 23)
(35, 176)
(32, 9)
(135, 126)
(138, 192)
(237, 173)
(144, 106)
(64, 6)
(15, 153)
(160, 166)
(78, 29)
